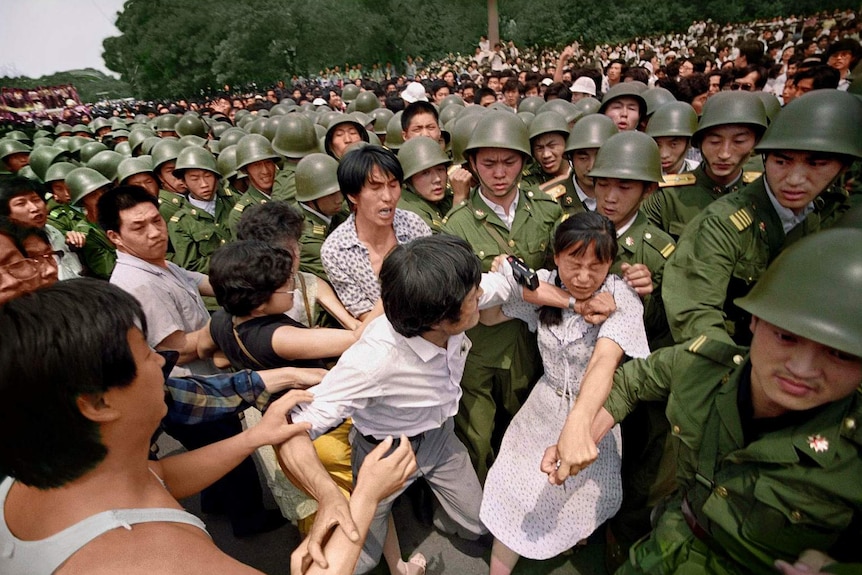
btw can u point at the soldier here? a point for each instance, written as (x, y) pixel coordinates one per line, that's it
(320, 198)
(499, 218)
(425, 181)
(98, 253)
(731, 125)
(551, 168)
(61, 214)
(342, 133)
(256, 158)
(672, 126)
(294, 139)
(201, 226)
(236, 181)
(172, 195)
(138, 172)
(768, 441)
(582, 146)
(725, 249)
(14, 155)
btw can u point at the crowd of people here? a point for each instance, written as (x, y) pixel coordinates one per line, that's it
(570, 302)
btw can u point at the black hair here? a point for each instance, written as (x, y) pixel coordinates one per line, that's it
(244, 274)
(121, 198)
(592, 231)
(752, 50)
(276, 223)
(14, 186)
(356, 166)
(691, 87)
(558, 90)
(65, 340)
(12, 230)
(416, 108)
(637, 73)
(482, 92)
(424, 282)
(822, 75)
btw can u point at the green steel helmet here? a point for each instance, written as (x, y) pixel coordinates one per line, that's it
(232, 136)
(381, 119)
(106, 163)
(254, 148)
(289, 102)
(150, 142)
(165, 151)
(852, 218)
(42, 157)
(362, 118)
(219, 128)
(167, 123)
(272, 125)
(673, 119)
(449, 113)
(279, 110)
(138, 135)
(257, 126)
(350, 92)
(58, 171)
(245, 121)
(84, 181)
(461, 132)
(563, 108)
(75, 144)
(825, 121)
(18, 135)
(771, 104)
(655, 98)
(123, 148)
(118, 124)
(41, 141)
(40, 133)
(316, 177)
(320, 131)
(190, 125)
(634, 90)
(527, 117)
(79, 129)
(628, 155)
(420, 153)
(499, 130)
(351, 107)
(263, 113)
(62, 142)
(213, 146)
(345, 119)
(119, 134)
(366, 102)
(547, 123)
(591, 132)
(588, 105)
(531, 104)
(9, 147)
(394, 136)
(196, 158)
(226, 162)
(62, 129)
(451, 99)
(295, 137)
(373, 139)
(817, 306)
(132, 166)
(737, 107)
(501, 107)
(240, 114)
(100, 123)
(195, 141)
(90, 149)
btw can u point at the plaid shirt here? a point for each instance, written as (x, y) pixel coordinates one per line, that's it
(198, 398)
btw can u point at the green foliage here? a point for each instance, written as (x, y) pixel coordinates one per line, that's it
(92, 85)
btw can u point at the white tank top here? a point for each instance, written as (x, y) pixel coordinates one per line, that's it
(19, 557)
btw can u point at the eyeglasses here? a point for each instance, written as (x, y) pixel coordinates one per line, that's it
(739, 86)
(51, 258)
(23, 269)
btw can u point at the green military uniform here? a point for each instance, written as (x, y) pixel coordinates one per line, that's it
(431, 213)
(170, 203)
(99, 255)
(562, 189)
(195, 234)
(681, 197)
(63, 216)
(723, 253)
(758, 492)
(504, 361)
(251, 196)
(284, 186)
(314, 232)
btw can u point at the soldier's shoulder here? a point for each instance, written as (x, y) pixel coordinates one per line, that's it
(726, 354)
(678, 180)
(658, 240)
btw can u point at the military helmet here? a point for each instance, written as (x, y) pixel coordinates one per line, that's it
(195, 158)
(724, 108)
(18, 135)
(61, 142)
(381, 119)
(165, 151)
(449, 113)
(820, 121)
(289, 102)
(132, 166)
(655, 98)
(254, 148)
(190, 125)
(106, 163)
(499, 130)
(628, 155)
(39, 142)
(501, 107)
(75, 143)
(531, 104)
(279, 110)
(349, 92)
(353, 119)
(167, 123)
(295, 137)
(634, 90)
(150, 142)
(245, 122)
(673, 119)
(124, 149)
(240, 114)
(137, 137)
(226, 163)
(219, 128)
(815, 306)
(366, 101)
(548, 123)
(394, 135)
(232, 136)
(62, 128)
(58, 171)
(591, 132)
(326, 118)
(195, 141)
(420, 153)
(461, 132)
(84, 181)
(770, 104)
(362, 118)
(562, 107)
(451, 99)
(100, 123)
(40, 133)
(316, 177)
(90, 149)
(257, 125)
(528, 117)
(9, 147)
(588, 105)
(42, 157)
(320, 132)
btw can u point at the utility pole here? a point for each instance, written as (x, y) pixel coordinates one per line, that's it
(493, 24)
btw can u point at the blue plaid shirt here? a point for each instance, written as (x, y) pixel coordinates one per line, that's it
(199, 398)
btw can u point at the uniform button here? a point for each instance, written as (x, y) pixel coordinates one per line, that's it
(481, 254)
(721, 491)
(737, 359)
(850, 423)
(725, 379)
(511, 243)
(676, 430)
(529, 194)
(796, 516)
(648, 236)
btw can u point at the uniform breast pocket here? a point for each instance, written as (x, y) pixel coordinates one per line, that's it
(533, 250)
(206, 240)
(790, 519)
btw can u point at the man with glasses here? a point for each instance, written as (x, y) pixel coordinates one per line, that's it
(752, 78)
(26, 260)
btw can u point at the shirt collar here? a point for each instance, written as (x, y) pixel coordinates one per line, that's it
(498, 209)
(136, 262)
(305, 207)
(789, 219)
(208, 207)
(589, 203)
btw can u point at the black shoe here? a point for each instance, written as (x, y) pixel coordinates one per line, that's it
(261, 522)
